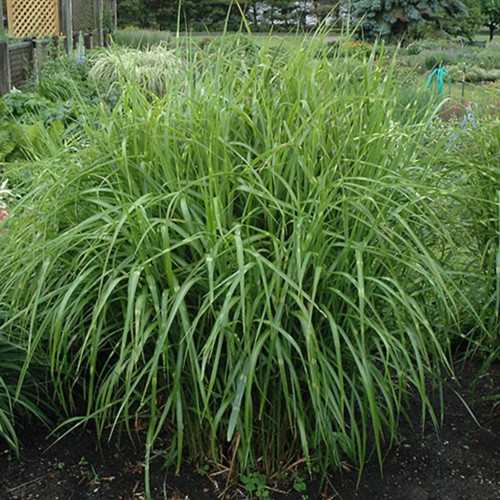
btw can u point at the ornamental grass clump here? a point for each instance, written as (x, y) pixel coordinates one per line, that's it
(254, 266)
(152, 69)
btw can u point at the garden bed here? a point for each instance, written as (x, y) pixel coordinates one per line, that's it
(460, 463)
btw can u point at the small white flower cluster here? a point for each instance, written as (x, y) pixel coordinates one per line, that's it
(6, 195)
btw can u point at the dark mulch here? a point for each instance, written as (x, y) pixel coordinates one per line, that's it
(463, 462)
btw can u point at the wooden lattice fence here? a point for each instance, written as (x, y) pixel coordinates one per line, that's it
(64, 19)
(21, 61)
(33, 17)
(39, 18)
(83, 15)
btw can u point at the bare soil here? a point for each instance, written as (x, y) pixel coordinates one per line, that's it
(462, 462)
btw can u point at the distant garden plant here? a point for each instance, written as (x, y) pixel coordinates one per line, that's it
(152, 69)
(137, 38)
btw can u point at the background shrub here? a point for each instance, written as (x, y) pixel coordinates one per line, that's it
(425, 56)
(139, 38)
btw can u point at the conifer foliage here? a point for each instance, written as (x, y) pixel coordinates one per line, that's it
(393, 18)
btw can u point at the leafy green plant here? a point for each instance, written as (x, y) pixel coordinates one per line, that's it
(62, 83)
(60, 79)
(203, 471)
(255, 484)
(10, 135)
(299, 483)
(31, 107)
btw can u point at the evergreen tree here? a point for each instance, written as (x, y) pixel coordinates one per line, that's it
(393, 18)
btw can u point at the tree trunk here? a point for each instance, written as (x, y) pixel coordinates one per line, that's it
(491, 26)
(255, 15)
(316, 13)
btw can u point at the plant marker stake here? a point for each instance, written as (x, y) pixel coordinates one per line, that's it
(463, 83)
(439, 74)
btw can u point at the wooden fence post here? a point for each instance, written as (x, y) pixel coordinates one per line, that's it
(114, 15)
(54, 49)
(32, 60)
(42, 53)
(88, 41)
(67, 23)
(5, 81)
(98, 21)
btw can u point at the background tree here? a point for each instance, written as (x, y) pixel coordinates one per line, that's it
(491, 13)
(394, 18)
(196, 15)
(465, 26)
(199, 15)
(132, 13)
(321, 9)
(253, 11)
(280, 13)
